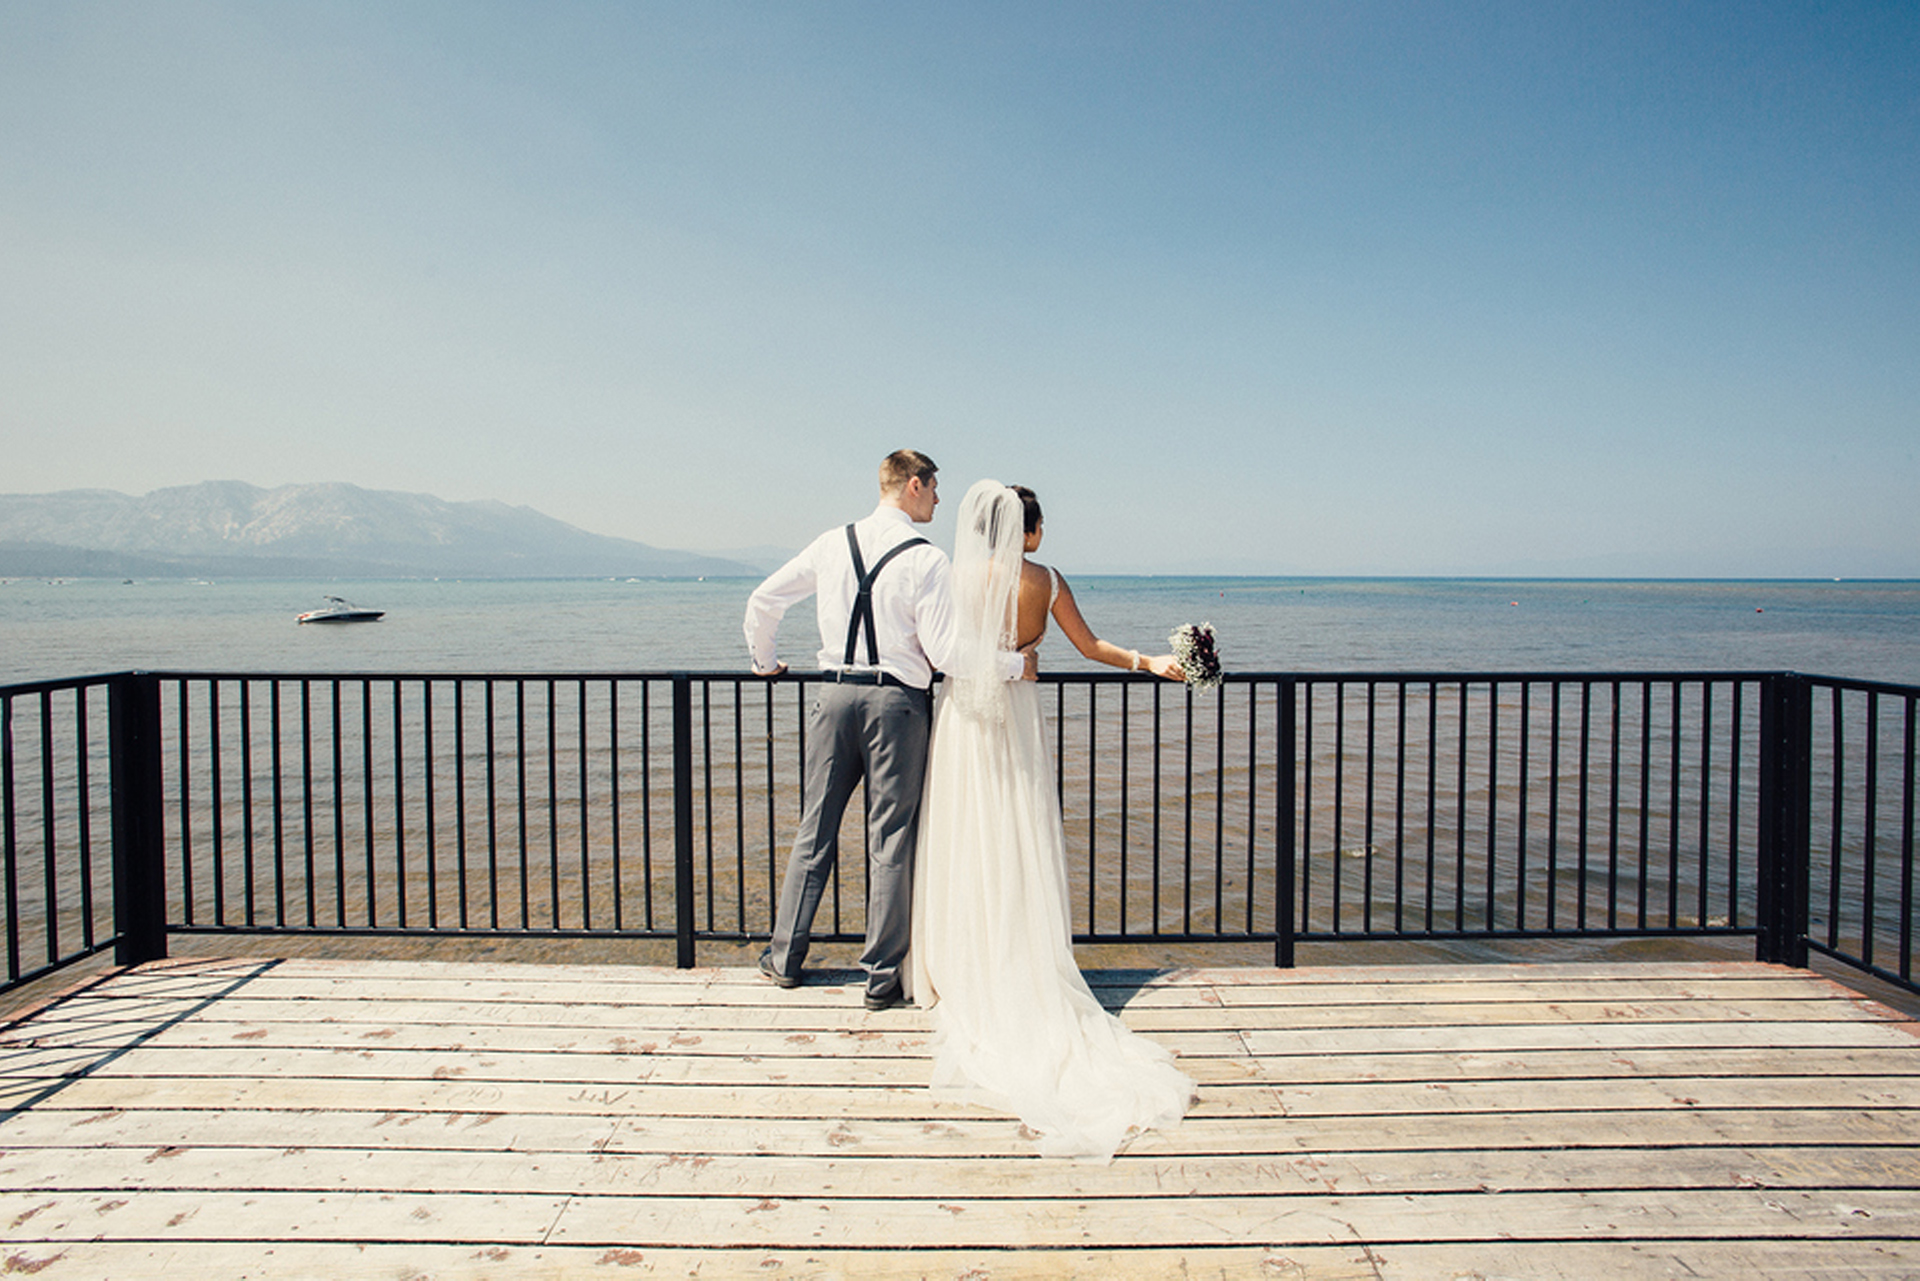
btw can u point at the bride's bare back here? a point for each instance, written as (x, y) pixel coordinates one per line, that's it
(1036, 598)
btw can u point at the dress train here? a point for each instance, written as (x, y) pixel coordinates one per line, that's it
(1015, 1026)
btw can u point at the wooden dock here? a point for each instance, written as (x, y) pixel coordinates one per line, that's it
(330, 1119)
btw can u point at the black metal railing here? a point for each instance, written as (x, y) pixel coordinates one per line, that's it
(1282, 809)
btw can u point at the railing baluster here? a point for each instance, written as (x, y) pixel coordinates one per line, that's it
(432, 825)
(1219, 809)
(582, 755)
(1366, 828)
(493, 814)
(1520, 832)
(460, 796)
(1736, 758)
(83, 786)
(218, 825)
(1906, 844)
(1433, 811)
(1400, 809)
(683, 818)
(616, 802)
(246, 801)
(1306, 807)
(1286, 712)
(1093, 809)
(1703, 873)
(1493, 801)
(739, 813)
(1613, 810)
(1460, 823)
(1553, 807)
(1337, 873)
(1585, 798)
(279, 809)
(339, 804)
(520, 755)
(49, 831)
(183, 755)
(9, 838)
(1251, 872)
(306, 797)
(1646, 792)
(553, 802)
(1673, 809)
(1836, 858)
(366, 800)
(706, 795)
(1869, 829)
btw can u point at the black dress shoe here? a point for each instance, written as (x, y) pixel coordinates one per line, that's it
(779, 979)
(892, 1002)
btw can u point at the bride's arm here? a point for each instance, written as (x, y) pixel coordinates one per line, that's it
(1066, 612)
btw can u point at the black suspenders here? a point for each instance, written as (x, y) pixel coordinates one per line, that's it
(862, 618)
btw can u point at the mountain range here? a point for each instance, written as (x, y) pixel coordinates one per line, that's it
(235, 530)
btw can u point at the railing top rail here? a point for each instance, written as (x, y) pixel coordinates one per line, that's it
(1438, 676)
(58, 683)
(1865, 686)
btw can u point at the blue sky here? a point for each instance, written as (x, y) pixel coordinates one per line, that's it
(1272, 288)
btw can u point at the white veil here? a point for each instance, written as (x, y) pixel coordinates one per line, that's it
(987, 550)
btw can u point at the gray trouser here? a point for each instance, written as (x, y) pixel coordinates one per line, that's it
(878, 732)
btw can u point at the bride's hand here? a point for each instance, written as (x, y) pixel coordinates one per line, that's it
(1164, 666)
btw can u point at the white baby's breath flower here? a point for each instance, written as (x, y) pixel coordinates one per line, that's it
(1193, 647)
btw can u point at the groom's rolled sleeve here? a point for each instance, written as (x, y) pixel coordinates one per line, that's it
(786, 587)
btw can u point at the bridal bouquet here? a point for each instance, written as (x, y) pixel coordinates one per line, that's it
(1193, 647)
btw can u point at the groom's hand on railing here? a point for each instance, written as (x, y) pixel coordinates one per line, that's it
(779, 669)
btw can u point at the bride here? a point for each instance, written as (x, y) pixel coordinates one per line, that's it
(1015, 1026)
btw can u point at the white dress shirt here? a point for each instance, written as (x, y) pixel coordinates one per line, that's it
(912, 610)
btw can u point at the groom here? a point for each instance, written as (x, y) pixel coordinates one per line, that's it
(886, 622)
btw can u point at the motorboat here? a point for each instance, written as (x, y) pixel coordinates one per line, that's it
(341, 611)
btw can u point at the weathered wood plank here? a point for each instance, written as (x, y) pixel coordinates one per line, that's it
(658, 988)
(948, 1222)
(642, 1097)
(693, 1060)
(1335, 1044)
(1549, 1261)
(592, 1171)
(813, 1017)
(981, 1135)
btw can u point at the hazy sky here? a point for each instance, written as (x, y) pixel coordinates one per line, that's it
(1332, 287)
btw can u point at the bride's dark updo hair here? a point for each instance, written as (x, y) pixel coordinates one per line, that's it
(1029, 505)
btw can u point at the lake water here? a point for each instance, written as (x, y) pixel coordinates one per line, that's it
(1866, 630)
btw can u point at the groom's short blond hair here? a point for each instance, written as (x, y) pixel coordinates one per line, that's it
(903, 465)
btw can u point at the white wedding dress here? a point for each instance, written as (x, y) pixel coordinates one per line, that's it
(1015, 1026)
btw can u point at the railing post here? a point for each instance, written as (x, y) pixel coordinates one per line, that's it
(683, 904)
(1285, 825)
(1786, 824)
(139, 847)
